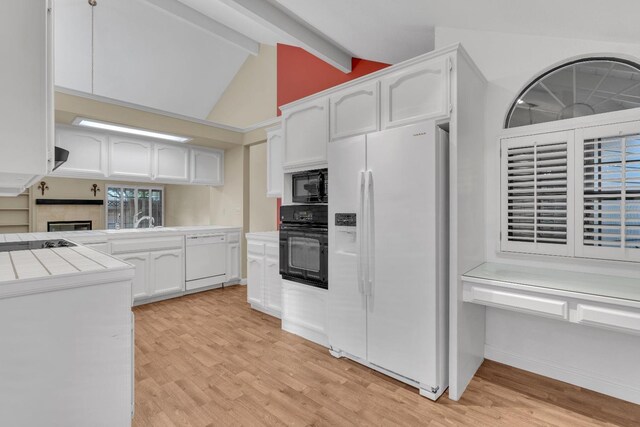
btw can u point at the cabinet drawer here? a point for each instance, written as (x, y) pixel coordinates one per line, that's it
(610, 318)
(233, 237)
(151, 245)
(255, 248)
(548, 307)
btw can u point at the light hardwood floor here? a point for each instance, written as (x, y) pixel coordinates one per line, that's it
(209, 360)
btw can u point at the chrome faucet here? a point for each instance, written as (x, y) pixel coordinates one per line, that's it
(146, 217)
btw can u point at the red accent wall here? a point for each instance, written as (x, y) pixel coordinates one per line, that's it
(301, 74)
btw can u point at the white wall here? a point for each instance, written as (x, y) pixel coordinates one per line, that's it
(509, 62)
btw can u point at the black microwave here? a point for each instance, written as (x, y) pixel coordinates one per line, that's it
(310, 186)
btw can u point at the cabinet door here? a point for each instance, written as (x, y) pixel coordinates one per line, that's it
(273, 284)
(130, 158)
(416, 93)
(233, 261)
(73, 44)
(167, 272)
(207, 166)
(26, 84)
(275, 174)
(171, 163)
(355, 111)
(141, 282)
(87, 153)
(306, 134)
(255, 280)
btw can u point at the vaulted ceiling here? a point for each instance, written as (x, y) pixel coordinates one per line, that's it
(180, 55)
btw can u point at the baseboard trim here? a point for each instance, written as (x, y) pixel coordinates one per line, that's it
(566, 374)
(243, 282)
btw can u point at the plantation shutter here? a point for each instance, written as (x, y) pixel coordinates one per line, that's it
(608, 165)
(537, 194)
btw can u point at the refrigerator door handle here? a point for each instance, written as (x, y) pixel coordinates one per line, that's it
(360, 232)
(370, 234)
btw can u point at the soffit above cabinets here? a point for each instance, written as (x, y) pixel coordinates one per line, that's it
(142, 54)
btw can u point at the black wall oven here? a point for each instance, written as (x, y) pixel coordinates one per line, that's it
(304, 244)
(310, 186)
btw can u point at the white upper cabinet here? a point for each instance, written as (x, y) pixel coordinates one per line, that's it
(416, 93)
(207, 166)
(129, 158)
(73, 43)
(26, 84)
(275, 174)
(306, 135)
(171, 163)
(354, 111)
(88, 153)
(102, 155)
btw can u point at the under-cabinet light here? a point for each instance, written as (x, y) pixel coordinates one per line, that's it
(80, 121)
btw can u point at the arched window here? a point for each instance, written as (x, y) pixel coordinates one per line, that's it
(578, 88)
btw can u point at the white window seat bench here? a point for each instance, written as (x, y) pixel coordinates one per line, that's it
(604, 301)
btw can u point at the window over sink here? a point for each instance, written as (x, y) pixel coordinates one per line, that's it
(134, 207)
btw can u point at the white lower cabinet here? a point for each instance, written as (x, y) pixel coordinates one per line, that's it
(264, 283)
(273, 283)
(255, 281)
(159, 265)
(141, 280)
(233, 261)
(167, 268)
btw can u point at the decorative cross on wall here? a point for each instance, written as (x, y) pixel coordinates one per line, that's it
(43, 186)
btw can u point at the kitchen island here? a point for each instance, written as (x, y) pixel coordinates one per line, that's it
(66, 330)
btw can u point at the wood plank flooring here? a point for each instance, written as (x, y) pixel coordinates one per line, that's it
(209, 360)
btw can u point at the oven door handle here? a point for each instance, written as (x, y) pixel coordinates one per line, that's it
(360, 232)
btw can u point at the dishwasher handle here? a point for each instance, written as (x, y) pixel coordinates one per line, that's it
(206, 239)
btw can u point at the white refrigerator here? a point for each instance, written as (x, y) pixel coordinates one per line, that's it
(388, 253)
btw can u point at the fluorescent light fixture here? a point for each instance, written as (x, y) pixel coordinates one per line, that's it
(95, 124)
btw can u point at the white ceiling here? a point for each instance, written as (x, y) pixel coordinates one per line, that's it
(145, 55)
(395, 30)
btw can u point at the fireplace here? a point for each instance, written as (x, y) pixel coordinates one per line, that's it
(69, 225)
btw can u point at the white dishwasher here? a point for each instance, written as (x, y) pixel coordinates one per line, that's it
(206, 260)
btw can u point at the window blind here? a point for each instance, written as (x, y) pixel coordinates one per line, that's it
(611, 192)
(537, 193)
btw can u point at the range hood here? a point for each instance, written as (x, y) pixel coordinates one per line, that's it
(61, 156)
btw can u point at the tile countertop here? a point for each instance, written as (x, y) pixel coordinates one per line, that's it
(89, 235)
(43, 270)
